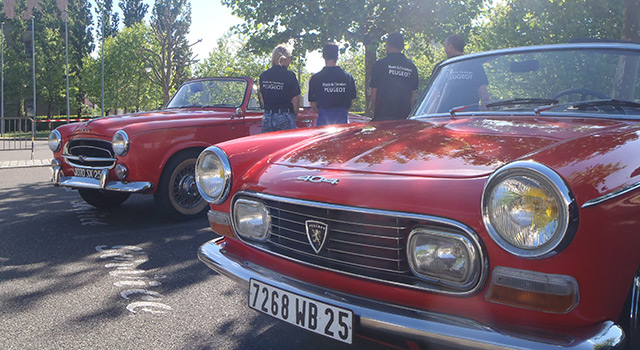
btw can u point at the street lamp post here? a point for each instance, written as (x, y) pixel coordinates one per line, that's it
(2, 80)
(66, 57)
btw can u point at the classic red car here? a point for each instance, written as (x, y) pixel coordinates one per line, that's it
(107, 159)
(510, 225)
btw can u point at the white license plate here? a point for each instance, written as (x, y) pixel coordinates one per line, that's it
(328, 320)
(91, 173)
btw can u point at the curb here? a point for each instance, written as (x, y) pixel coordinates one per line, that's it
(12, 164)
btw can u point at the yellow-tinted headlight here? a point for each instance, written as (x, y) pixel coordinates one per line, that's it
(528, 209)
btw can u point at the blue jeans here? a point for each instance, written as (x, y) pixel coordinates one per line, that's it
(328, 116)
(278, 121)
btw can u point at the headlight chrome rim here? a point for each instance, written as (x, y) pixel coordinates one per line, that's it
(55, 141)
(551, 182)
(120, 143)
(226, 175)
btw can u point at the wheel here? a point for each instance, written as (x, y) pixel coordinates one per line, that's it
(629, 318)
(103, 199)
(177, 195)
(582, 92)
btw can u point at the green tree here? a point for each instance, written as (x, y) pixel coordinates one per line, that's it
(133, 11)
(311, 23)
(17, 63)
(127, 87)
(50, 59)
(229, 48)
(532, 22)
(107, 20)
(80, 45)
(170, 23)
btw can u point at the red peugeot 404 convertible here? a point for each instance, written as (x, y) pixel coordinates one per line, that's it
(513, 224)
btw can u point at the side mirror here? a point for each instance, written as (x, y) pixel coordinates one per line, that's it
(239, 113)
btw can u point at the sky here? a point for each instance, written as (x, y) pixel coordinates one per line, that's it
(209, 21)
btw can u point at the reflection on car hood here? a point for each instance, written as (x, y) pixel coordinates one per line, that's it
(107, 126)
(440, 147)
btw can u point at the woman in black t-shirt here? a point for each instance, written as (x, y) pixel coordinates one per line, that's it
(280, 92)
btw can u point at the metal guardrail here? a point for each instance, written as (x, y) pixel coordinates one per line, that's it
(17, 134)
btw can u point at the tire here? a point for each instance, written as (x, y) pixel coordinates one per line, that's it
(177, 195)
(629, 318)
(103, 199)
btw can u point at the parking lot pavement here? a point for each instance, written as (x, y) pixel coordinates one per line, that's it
(24, 158)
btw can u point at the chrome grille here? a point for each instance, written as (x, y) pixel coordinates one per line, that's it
(89, 153)
(362, 242)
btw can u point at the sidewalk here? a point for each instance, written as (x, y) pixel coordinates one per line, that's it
(22, 158)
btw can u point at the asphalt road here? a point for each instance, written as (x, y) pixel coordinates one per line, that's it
(74, 277)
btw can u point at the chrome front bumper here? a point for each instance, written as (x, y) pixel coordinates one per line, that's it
(103, 183)
(406, 323)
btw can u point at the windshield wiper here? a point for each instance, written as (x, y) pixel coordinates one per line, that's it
(523, 101)
(617, 104)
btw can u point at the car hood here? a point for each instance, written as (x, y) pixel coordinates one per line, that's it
(107, 126)
(440, 147)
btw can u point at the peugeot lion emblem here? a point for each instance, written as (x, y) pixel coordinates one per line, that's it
(317, 234)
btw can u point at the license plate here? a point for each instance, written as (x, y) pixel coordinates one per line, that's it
(328, 320)
(90, 173)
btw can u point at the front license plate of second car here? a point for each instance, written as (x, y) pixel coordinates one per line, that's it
(328, 320)
(90, 173)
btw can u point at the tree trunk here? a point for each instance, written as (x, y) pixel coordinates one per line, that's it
(370, 47)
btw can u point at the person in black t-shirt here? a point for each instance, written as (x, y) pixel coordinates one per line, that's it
(469, 81)
(280, 92)
(332, 90)
(394, 82)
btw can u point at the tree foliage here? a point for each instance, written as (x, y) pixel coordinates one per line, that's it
(133, 11)
(230, 49)
(532, 22)
(107, 20)
(311, 23)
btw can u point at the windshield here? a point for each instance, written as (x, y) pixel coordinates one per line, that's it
(605, 77)
(210, 93)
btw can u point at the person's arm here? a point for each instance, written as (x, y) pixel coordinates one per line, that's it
(314, 106)
(296, 105)
(374, 91)
(414, 94)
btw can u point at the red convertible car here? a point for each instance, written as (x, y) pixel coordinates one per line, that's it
(107, 159)
(509, 225)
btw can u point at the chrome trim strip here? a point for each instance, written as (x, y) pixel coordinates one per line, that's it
(482, 258)
(404, 322)
(611, 195)
(68, 157)
(102, 184)
(219, 217)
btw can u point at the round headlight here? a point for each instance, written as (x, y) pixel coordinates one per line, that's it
(528, 209)
(120, 143)
(213, 175)
(55, 141)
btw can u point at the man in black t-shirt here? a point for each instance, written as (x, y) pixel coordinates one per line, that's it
(467, 83)
(280, 92)
(394, 82)
(332, 90)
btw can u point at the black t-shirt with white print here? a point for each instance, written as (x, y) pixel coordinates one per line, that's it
(278, 86)
(395, 77)
(332, 87)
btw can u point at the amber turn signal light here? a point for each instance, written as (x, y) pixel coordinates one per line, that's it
(533, 290)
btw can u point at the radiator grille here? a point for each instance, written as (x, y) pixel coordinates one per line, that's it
(370, 245)
(92, 153)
